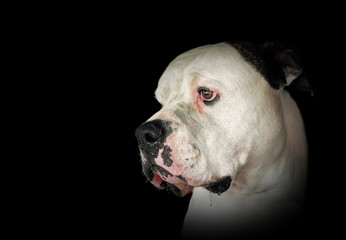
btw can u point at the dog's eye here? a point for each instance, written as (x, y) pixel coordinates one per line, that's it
(207, 94)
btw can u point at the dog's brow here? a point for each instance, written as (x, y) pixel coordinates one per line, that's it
(157, 99)
(160, 96)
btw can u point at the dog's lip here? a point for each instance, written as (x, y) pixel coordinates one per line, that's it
(166, 175)
(157, 180)
(176, 184)
(163, 173)
(158, 176)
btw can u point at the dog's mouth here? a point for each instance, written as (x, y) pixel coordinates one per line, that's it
(163, 179)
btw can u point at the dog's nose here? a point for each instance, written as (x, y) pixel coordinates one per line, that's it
(151, 133)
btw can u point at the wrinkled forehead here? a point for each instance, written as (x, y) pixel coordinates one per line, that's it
(220, 63)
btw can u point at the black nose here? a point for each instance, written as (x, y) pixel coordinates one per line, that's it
(151, 135)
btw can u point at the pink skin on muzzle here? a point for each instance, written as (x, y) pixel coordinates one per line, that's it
(173, 175)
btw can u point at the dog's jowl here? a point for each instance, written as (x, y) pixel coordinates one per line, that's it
(229, 133)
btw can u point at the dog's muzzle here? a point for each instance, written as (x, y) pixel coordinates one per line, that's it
(151, 137)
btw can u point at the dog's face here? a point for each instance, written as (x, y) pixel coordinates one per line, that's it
(218, 114)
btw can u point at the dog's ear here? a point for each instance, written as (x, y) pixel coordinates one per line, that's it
(278, 63)
(283, 64)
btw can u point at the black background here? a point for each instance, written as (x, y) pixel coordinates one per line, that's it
(102, 80)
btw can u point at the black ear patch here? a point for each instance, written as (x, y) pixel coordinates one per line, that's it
(277, 63)
(219, 186)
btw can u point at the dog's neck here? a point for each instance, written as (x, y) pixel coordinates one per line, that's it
(286, 174)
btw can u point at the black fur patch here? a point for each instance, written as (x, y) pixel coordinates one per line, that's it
(219, 186)
(161, 170)
(182, 178)
(166, 157)
(271, 60)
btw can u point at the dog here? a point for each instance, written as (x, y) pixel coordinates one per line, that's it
(229, 133)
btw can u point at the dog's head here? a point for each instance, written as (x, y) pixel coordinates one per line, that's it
(220, 111)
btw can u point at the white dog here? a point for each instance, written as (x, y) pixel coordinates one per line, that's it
(230, 133)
